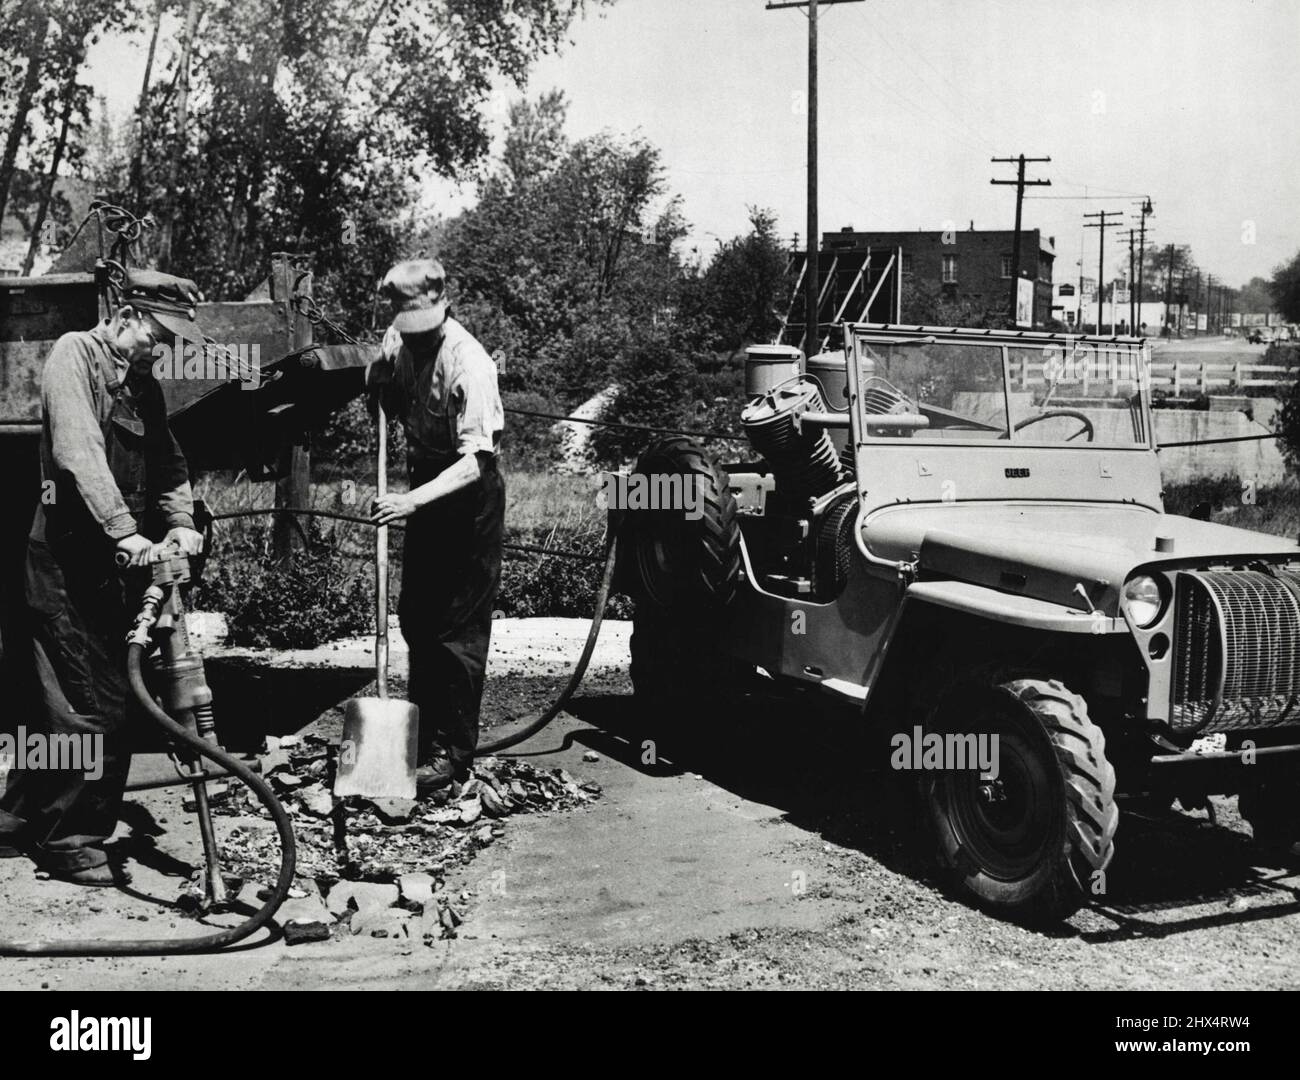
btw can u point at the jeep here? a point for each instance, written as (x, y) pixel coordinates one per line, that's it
(962, 533)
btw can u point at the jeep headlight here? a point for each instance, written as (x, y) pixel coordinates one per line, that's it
(1145, 600)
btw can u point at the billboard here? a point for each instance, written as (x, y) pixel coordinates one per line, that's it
(1024, 302)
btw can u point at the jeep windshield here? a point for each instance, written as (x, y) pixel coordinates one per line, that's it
(1038, 389)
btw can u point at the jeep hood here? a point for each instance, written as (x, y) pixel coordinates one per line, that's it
(1049, 550)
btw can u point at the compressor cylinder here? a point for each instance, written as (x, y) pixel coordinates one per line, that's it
(802, 457)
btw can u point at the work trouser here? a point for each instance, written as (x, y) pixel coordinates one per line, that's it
(80, 616)
(451, 569)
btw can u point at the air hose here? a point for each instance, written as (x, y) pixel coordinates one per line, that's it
(534, 725)
(207, 942)
(288, 847)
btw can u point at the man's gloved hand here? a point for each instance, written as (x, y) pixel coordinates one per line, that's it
(187, 541)
(138, 549)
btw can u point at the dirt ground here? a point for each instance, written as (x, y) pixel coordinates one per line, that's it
(770, 850)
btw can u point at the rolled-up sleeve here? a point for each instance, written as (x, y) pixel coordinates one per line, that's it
(76, 441)
(475, 401)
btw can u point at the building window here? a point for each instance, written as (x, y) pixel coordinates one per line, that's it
(1006, 266)
(950, 269)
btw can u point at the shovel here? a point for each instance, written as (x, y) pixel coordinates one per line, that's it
(380, 734)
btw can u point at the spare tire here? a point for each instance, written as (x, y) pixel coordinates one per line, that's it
(685, 557)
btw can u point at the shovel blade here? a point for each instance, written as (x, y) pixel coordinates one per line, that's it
(378, 751)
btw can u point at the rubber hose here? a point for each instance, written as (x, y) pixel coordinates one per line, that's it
(532, 727)
(222, 938)
(553, 710)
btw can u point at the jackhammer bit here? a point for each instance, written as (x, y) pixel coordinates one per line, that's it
(183, 692)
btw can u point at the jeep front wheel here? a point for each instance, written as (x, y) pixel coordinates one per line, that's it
(1031, 842)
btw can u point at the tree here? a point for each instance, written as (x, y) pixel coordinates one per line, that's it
(300, 119)
(563, 262)
(737, 298)
(32, 22)
(1285, 289)
(926, 304)
(1255, 296)
(66, 29)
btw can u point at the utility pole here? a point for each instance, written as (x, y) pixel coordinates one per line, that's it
(1169, 290)
(1078, 303)
(1196, 292)
(1020, 184)
(1147, 211)
(1101, 226)
(1132, 237)
(1209, 302)
(812, 332)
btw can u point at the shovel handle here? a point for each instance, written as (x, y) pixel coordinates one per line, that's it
(381, 565)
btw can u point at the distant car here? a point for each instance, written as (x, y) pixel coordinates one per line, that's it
(1259, 335)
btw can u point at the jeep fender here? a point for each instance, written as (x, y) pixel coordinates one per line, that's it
(942, 627)
(1003, 607)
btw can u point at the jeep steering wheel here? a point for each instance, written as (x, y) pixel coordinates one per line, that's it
(1071, 413)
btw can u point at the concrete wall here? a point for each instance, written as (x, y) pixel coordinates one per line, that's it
(1260, 461)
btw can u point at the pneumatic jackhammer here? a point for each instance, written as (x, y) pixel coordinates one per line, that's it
(185, 695)
(184, 711)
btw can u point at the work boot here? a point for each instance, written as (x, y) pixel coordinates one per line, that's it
(91, 866)
(437, 773)
(102, 876)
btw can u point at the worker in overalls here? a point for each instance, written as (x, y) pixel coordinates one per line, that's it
(442, 384)
(114, 482)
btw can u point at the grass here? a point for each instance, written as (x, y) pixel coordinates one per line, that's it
(1274, 509)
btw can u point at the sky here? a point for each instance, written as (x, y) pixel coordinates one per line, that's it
(1191, 102)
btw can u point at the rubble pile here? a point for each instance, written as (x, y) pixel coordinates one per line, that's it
(376, 866)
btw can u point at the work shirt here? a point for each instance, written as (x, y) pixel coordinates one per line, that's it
(450, 405)
(77, 401)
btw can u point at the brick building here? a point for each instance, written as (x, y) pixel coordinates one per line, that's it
(971, 265)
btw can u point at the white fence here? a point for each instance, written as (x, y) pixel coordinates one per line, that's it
(1183, 376)
(1105, 371)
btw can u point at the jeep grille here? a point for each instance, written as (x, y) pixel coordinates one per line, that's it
(1236, 650)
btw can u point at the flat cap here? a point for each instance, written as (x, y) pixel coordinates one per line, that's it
(171, 300)
(416, 289)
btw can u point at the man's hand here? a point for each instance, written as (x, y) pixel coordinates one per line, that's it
(187, 540)
(137, 548)
(393, 507)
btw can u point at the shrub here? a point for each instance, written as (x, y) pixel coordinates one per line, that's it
(529, 442)
(1287, 420)
(310, 597)
(550, 585)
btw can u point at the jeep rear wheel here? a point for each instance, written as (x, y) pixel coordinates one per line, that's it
(686, 559)
(1029, 843)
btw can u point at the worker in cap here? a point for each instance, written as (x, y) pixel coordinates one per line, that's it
(114, 482)
(442, 384)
